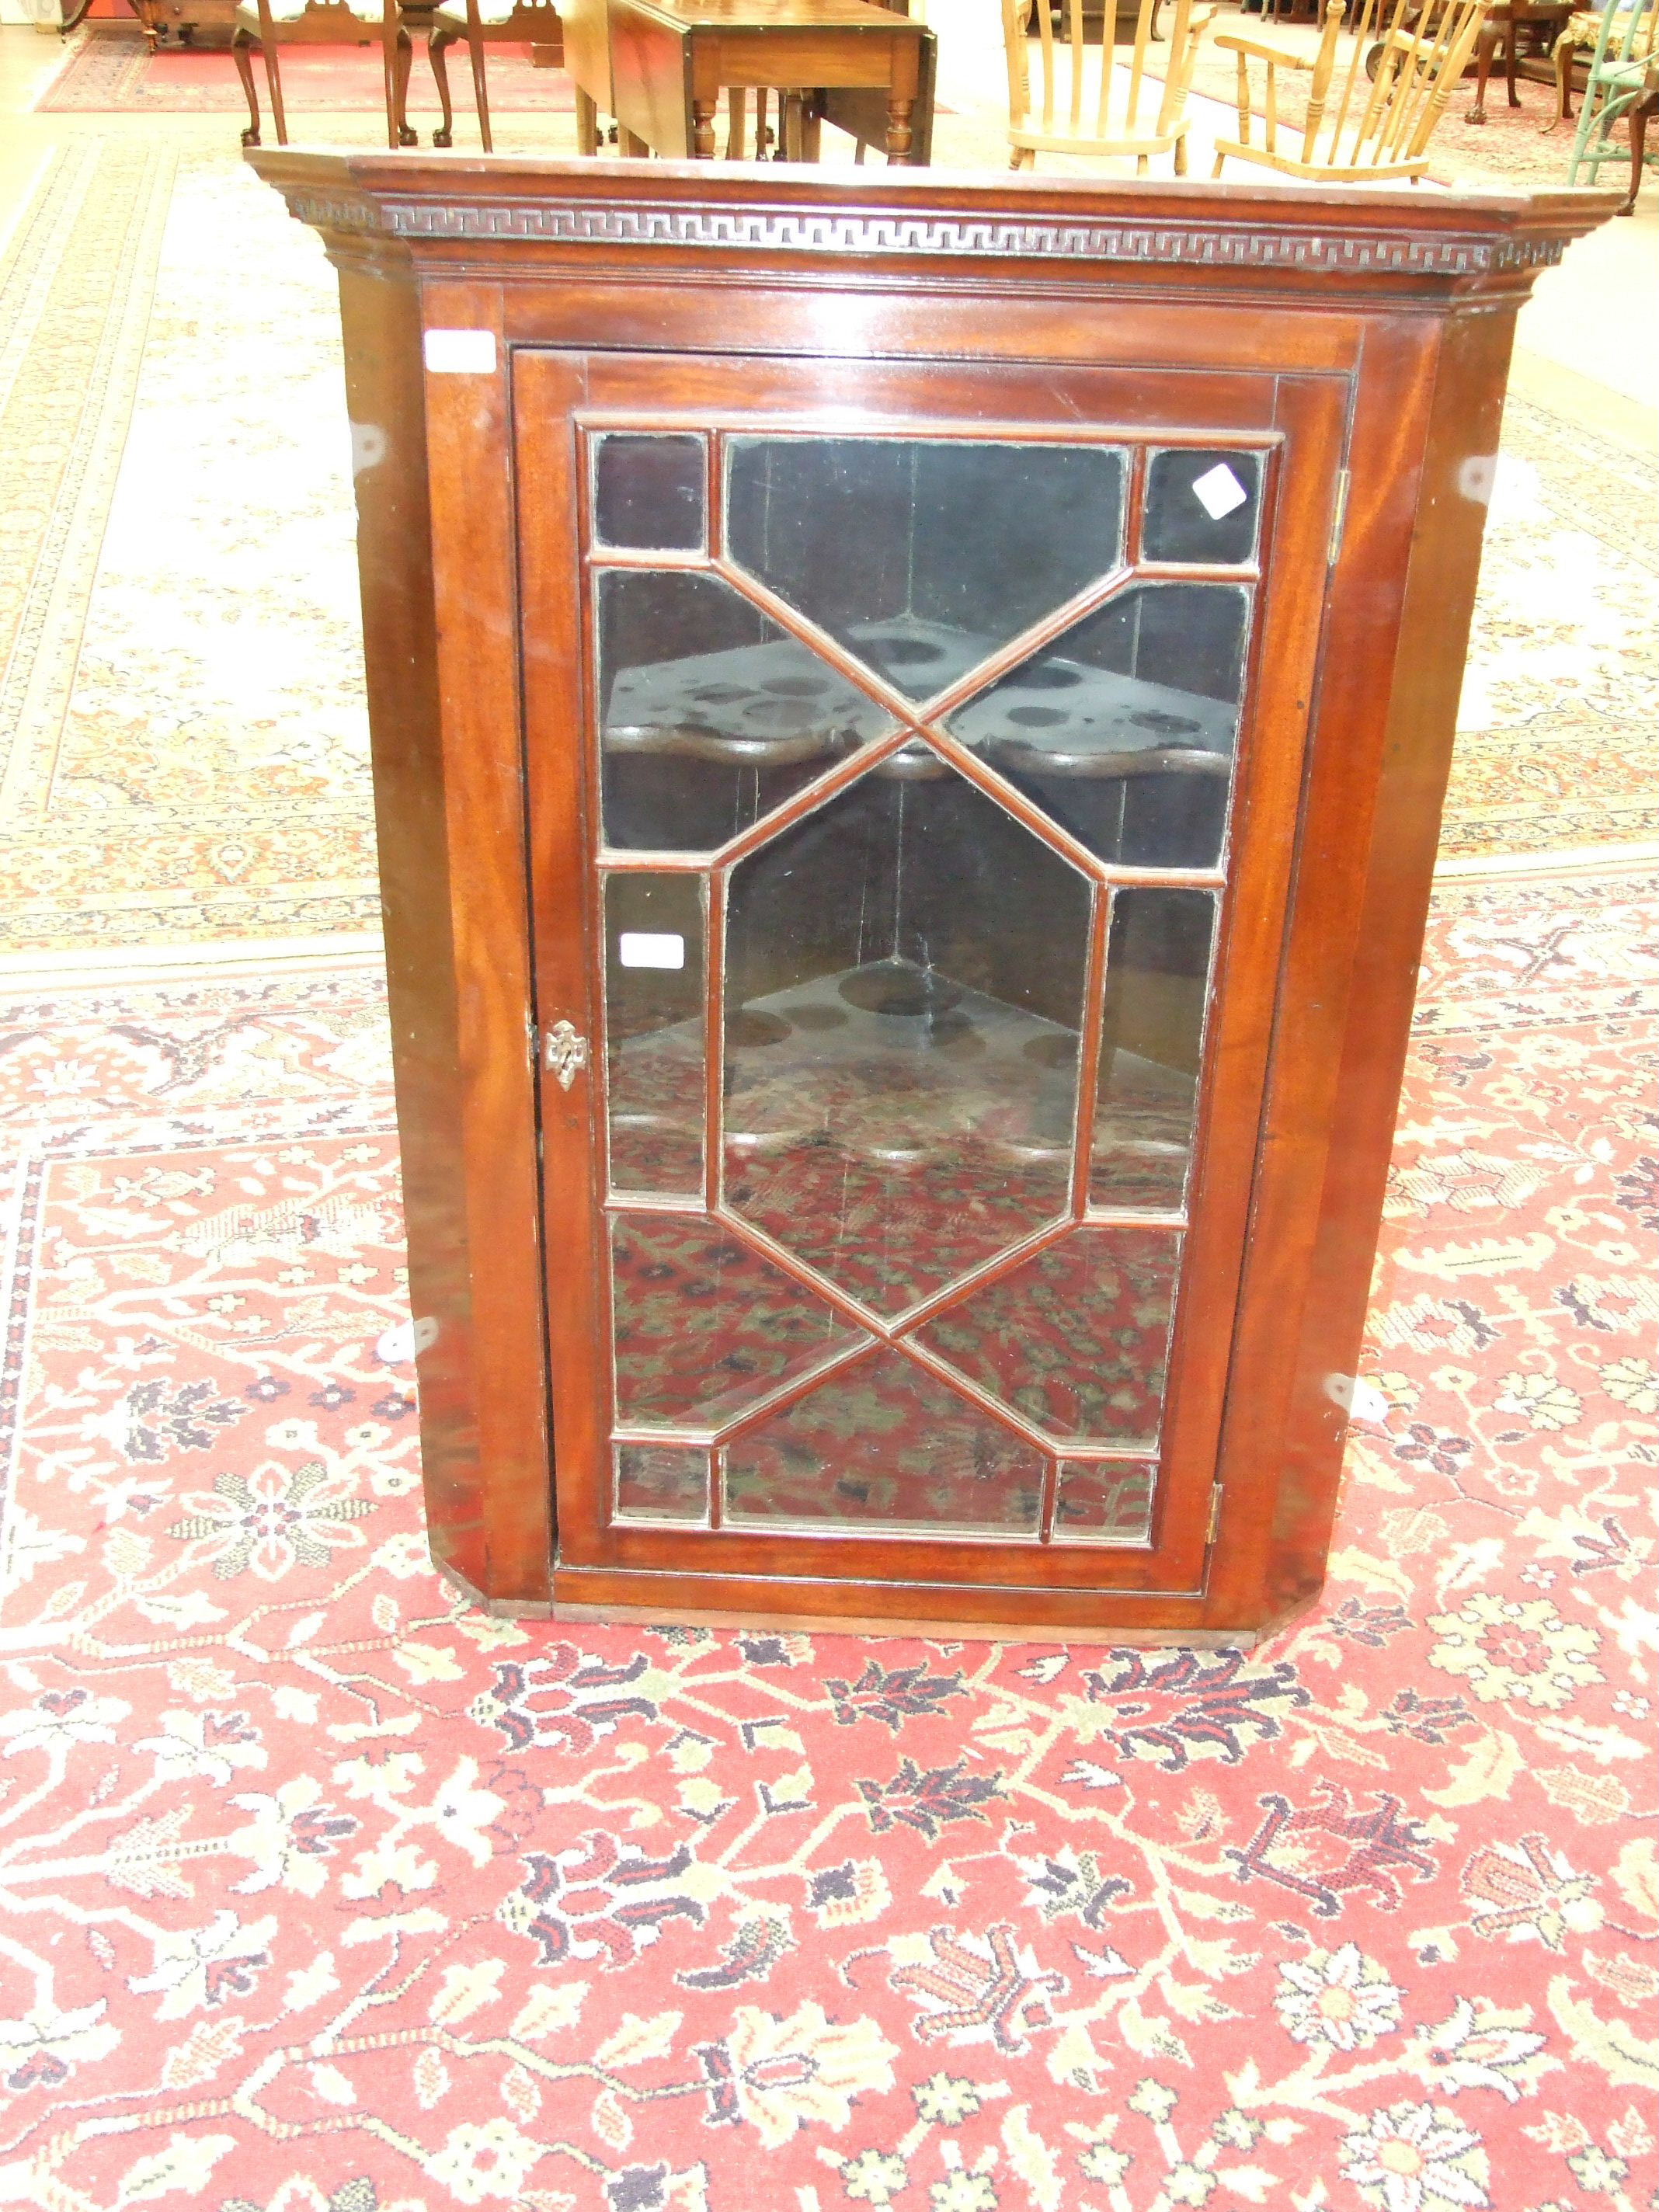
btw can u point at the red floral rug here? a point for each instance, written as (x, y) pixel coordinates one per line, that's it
(114, 71)
(323, 1894)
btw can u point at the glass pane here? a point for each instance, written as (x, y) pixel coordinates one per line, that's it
(654, 1035)
(650, 492)
(1076, 1339)
(1103, 1501)
(905, 970)
(884, 1442)
(1123, 729)
(661, 1482)
(710, 714)
(922, 558)
(1157, 974)
(1201, 507)
(704, 1326)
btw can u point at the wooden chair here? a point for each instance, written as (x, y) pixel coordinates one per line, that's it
(1086, 105)
(1623, 83)
(1375, 125)
(268, 24)
(480, 23)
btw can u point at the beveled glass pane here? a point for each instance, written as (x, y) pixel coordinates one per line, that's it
(1201, 507)
(1077, 1339)
(661, 1482)
(709, 714)
(1103, 1501)
(1157, 977)
(704, 1326)
(905, 971)
(922, 557)
(884, 1446)
(650, 491)
(654, 1032)
(1123, 729)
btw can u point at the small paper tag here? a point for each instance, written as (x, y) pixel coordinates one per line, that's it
(460, 353)
(650, 948)
(1217, 491)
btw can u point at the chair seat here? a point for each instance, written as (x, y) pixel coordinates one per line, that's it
(453, 14)
(290, 11)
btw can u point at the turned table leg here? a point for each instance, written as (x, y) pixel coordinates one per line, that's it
(903, 84)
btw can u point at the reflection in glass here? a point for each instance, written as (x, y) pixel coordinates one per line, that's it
(654, 1031)
(960, 545)
(885, 1444)
(661, 1482)
(1201, 507)
(1076, 1338)
(1158, 973)
(905, 971)
(704, 1328)
(1123, 729)
(1103, 1501)
(650, 491)
(709, 714)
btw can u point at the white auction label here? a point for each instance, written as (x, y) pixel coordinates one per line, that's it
(1218, 491)
(460, 353)
(650, 948)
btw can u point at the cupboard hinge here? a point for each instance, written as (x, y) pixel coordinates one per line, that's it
(1340, 517)
(1215, 1513)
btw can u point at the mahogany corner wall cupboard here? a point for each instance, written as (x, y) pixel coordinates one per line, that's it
(910, 721)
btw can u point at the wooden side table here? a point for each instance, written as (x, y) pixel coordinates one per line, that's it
(670, 59)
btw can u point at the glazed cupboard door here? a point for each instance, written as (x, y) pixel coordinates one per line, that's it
(914, 755)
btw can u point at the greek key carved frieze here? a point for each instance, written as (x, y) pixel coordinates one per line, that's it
(781, 230)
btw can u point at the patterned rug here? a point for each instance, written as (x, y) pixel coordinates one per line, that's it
(323, 1894)
(114, 70)
(182, 727)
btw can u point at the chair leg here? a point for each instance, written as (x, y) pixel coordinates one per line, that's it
(437, 48)
(1181, 155)
(244, 60)
(1220, 160)
(480, 96)
(1639, 138)
(390, 32)
(406, 136)
(273, 78)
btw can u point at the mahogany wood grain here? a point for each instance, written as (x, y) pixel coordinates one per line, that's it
(1325, 328)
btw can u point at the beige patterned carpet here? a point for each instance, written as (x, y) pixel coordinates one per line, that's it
(181, 717)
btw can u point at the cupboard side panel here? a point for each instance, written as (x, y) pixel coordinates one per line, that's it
(1354, 717)
(494, 1169)
(1463, 428)
(381, 313)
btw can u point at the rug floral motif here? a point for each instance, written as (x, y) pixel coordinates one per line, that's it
(324, 1894)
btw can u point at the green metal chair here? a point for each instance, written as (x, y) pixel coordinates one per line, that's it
(1624, 81)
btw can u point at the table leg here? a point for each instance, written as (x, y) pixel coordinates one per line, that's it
(904, 83)
(736, 111)
(705, 95)
(631, 146)
(811, 127)
(1511, 48)
(587, 124)
(1485, 46)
